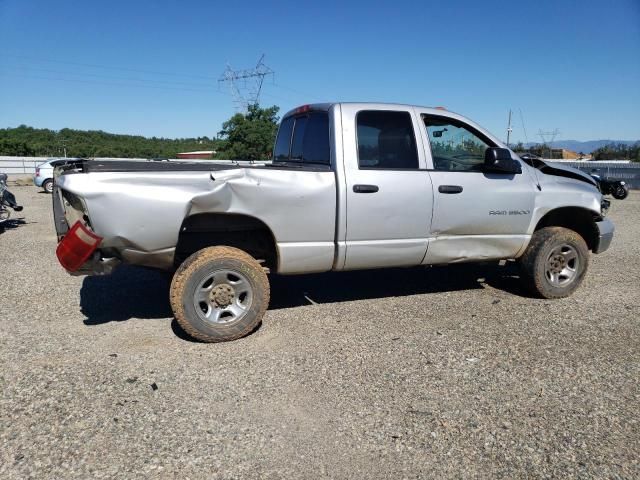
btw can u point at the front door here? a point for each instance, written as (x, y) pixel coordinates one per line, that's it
(477, 215)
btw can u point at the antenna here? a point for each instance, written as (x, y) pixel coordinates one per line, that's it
(526, 139)
(509, 129)
(246, 85)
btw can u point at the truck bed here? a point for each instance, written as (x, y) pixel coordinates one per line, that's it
(88, 166)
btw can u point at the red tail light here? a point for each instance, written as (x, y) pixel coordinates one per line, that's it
(77, 246)
(37, 171)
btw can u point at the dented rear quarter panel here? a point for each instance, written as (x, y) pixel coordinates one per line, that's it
(140, 214)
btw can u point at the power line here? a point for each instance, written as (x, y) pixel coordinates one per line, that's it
(110, 77)
(109, 67)
(156, 82)
(97, 82)
(81, 76)
(548, 138)
(548, 135)
(523, 127)
(246, 84)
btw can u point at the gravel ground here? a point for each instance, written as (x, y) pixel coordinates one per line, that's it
(419, 373)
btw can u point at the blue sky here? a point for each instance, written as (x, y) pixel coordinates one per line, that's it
(151, 67)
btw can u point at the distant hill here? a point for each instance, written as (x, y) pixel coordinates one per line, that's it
(584, 147)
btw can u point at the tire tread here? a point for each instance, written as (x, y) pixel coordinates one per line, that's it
(198, 260)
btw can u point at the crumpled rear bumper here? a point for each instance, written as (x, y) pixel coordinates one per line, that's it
(606, 228)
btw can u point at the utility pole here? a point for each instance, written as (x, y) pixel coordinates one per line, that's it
(62, 145)
(509, 129)
(246, 85)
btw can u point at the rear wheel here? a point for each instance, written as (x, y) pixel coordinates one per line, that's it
(219, 294)
(48, 186)
(555, 262)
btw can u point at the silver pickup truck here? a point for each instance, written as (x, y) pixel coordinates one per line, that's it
(350, 186)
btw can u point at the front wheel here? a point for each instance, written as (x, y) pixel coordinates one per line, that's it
(219, 294)
(555, 262)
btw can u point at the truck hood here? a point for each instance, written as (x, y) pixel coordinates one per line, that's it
(559, 170)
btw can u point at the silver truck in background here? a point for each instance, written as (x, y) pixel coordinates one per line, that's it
(351, 186)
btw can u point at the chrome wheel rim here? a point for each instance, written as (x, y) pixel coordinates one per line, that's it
(49, 187)
(223, 296)
(562, 265)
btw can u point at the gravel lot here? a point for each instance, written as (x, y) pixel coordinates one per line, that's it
(420, 373)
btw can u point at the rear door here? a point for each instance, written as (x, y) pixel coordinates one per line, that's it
(388, 190)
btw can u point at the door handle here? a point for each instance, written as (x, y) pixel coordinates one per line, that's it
(365, 188)
(450, 189)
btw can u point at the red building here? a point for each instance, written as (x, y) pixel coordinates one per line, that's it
(200, 154)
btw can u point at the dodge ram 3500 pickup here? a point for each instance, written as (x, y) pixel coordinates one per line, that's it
(350, 186)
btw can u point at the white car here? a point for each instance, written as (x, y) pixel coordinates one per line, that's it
(44, 173)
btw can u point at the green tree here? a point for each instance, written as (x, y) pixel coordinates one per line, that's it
(518, 147)
(249, 136)
(618, 151)
(15, 148)
(28, 141)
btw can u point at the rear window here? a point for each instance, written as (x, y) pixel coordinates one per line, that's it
(304, 139)
(283, 142)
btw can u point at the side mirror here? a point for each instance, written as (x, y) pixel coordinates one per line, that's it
(498, 160)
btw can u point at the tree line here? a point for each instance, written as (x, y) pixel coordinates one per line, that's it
(248, 136)
(612, 151)
(42, 142)
(619, 151)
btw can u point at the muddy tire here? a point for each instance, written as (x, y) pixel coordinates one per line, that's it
(219, 294)
(48, 186)
(555, 262)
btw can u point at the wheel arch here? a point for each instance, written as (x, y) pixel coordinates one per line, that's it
(579, 219)
(241, 231)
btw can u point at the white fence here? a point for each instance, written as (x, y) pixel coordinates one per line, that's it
(20, 165)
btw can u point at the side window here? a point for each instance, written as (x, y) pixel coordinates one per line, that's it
(310, 142)
(283, 142)
(386, 140)
(454, 146)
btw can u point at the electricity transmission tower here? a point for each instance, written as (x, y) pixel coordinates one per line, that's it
(548, 138)
(246, 85)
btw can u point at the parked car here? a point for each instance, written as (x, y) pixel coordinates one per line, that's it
(351, 186)
(44, 173)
